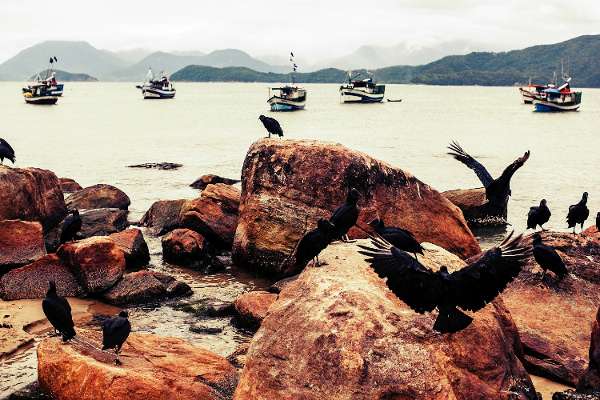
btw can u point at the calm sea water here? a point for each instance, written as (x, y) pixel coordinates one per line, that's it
(97, 129)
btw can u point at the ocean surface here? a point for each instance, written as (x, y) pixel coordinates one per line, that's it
(97, 130)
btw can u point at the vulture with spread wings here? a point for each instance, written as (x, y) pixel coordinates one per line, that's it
(470, 288)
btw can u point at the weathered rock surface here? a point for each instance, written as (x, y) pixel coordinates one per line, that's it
(69, 185)
(134, 246)
(214, 214)
(102, 222)
(252, 307)
(590, 381)
(31, 194)
(153, 368)
(31, 281)
(554, 317)
(20, 243)
(284, 195)
(592, 232)
(337, 332)
(164, 216)
(96, 262)
(476, 208)
(143, 286)
(183, 246)
(211, 179)
(573, 395)
(98, 196)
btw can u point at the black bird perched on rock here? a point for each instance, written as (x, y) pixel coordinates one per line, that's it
(496, 190)
(578, 213)
(538, 215)
(400, 238)
(6, 152)
(70, 227)
(598, 221)
(548, 258)
(58, 311)
(345, 216)
(271, 125)
(114, 333)
(470, 288)
(314, 242)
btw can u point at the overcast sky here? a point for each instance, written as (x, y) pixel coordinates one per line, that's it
(315, 29)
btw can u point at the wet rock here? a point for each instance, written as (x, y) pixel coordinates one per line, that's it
(225, 310)
(590, 381)
(134, 246)
(208, 265)
(238, 357)
(96, 262)
(278, 286)
(162, 166)
(214, 214)
(338, 332)
(144, 286)
(20, 243)
(252, 307)
(102, 222)
(211, 179)
(476, 208)
(31, 281)
(164, 216)
(554, 317)
(284, 195)
(98, 196)
(201, 327)
(31, 194)
(68, 185)
(183, 246)
(573, 395)
(153, 368)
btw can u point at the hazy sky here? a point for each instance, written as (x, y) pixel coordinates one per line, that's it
(313, 29)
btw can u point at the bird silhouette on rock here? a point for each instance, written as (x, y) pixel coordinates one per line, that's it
(547, 258)
(313, 242)
(598, 221)
(271, 125)
(345, 216)
(400, 238)
(578, 213)
(470, 288)
(70, 227)
(58, 311)
(115, 332)
(538, 215)
(6, 152)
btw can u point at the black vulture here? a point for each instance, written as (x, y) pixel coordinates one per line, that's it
(548, 258)
(598, 221)
(6, 152)
(271, 125)
(114, 333)
(578, 213)
(345, 216)
(313, 242)
(538, 215)
(470, 288)
(496, 190)
(398, 237)
(58, 311)
(70, 227)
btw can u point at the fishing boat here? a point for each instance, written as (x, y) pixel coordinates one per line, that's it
(39, 94)
(157, 86)
(363, 90)
(289, 97)
(559, 99)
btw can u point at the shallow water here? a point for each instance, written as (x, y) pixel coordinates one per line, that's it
(97, 129)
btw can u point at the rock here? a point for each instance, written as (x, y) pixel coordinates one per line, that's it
(31, 194)
(96, 262)
(284, 195)
(338, 332)
(20, 243)
(214, 215)
(102, 222)
(164, 216)
(68, 185)
(554, 316)
(211, 179)
(592, 232)
(153, 368)
(183, 246)
(134, 246)
(252, 307)
(573, 395)
(278, 286)
(143, 286)
(162, 165)
(238, 357)
(201, 327)
(476, 208)
(590, 381)
(31, 281)
(98, 196)
(208, 265)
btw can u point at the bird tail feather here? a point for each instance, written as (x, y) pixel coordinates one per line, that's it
(451, 321)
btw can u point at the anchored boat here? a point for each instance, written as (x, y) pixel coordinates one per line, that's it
(361, 90)
(157, 86)
(289, 97)
(39, 94)
(530, 91)
(559, 99)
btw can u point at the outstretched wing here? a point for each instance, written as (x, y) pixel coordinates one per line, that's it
(407, 278)
(488, 274)
(462, 156)
(500, 188)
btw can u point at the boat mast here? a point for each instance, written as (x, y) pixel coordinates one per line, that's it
(293, 74)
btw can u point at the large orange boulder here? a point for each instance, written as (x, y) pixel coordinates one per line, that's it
(590, 381)
(252, 307)
(20, 243)
(338, 332)
(164, 216)
(183, 246)
(96, 262)
(143, 286)
(287, 185)
(134, 246)
(31, 194)
(153, 368)
(98, 196)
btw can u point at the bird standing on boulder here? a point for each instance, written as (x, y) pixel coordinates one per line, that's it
(313, 243)
(345, 216)
(271, 125)
(58, 311)
(114, 333)
(578, 213)
(598, 221)
(538, 215)
(70, 227)
(548, 258)
(398, 237)
(470, 288)
(6, 152)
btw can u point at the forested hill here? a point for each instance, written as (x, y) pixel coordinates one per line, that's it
(62, 76)
(579, 58)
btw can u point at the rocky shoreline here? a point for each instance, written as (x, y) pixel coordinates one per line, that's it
(330, 332)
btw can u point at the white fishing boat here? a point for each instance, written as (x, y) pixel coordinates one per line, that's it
(289, 97)
(361, 90)
(530, 91)
(38, 94)
(157, 86)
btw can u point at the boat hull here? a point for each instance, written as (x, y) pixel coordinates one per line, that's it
(280, 104)
(150, 93)
(41, 99)
(350, 95)
(541, 105)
